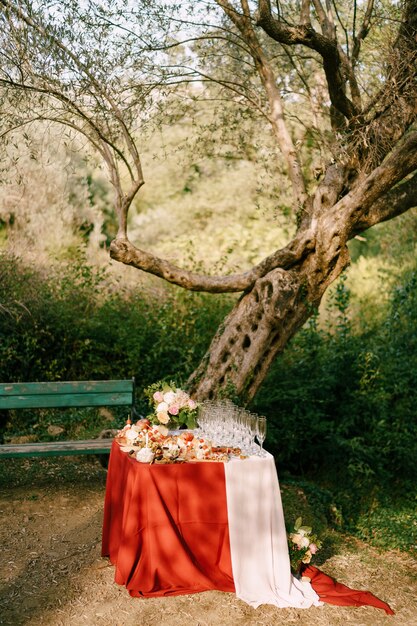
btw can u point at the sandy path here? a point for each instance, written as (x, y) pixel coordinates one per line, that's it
(51, 572)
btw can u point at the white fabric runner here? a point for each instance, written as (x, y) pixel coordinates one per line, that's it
(258, 540)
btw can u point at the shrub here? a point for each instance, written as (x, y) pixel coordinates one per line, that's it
(72, 324)
(341, 399)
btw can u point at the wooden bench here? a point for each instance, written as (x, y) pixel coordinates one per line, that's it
(65, 395)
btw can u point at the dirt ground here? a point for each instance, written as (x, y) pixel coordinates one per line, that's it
(51, 571)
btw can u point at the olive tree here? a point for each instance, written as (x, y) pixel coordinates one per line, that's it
(108, 70)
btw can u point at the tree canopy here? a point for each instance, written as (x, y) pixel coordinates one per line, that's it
(333, 82)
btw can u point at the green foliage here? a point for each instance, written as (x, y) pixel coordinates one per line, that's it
(349, 395)
(341, 399)
(75, 325)
(341, 407)
(313, 504)
(389, 524)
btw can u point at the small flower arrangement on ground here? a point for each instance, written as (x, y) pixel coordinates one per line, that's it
(172, 407)
(302, 545)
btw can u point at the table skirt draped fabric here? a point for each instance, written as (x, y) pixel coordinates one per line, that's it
(166, 530)
(333, 592)
(258, 539)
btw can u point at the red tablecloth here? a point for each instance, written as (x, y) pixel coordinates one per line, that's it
(166, 530)
(165, 527)
(332, 592)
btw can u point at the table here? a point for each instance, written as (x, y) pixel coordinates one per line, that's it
(184, 528)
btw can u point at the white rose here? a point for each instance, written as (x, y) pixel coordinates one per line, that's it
(131, 434)
(145, 455)
(169, 397)
(162, 407)
(304, 543)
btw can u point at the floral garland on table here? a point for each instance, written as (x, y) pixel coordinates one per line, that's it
(302, 545)
(146, 443)
(172, 407)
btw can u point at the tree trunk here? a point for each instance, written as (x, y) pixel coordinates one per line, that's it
(278, 303)
(263, 321)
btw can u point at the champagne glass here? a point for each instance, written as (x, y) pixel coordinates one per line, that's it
(246, 432)
(253, 427)
(203, 418)
(261, 433)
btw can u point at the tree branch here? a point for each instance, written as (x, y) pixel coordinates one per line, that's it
(276, 113)
(123, 250)
(305, 13)
(364, 30)
(368, 196)
(327, 48)
(395, 202)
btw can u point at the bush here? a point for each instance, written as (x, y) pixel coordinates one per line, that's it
(340, 400)
(72, 324)
(341, 407)
(344, 402)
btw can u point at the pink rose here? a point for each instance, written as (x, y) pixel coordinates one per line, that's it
(191, 404)
(174, 410)
(313, 548)
(158, 396)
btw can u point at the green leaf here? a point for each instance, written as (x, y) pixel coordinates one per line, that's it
(191, 422)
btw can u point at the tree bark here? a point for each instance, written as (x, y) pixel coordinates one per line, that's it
(268, 315)
(265, 319)
(260, 326)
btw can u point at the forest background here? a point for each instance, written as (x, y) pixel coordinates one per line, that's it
(340, 400)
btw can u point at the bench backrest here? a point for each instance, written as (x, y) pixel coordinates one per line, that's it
(67, 394)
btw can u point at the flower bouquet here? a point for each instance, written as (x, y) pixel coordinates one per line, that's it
(302, 546)
(172, 407)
